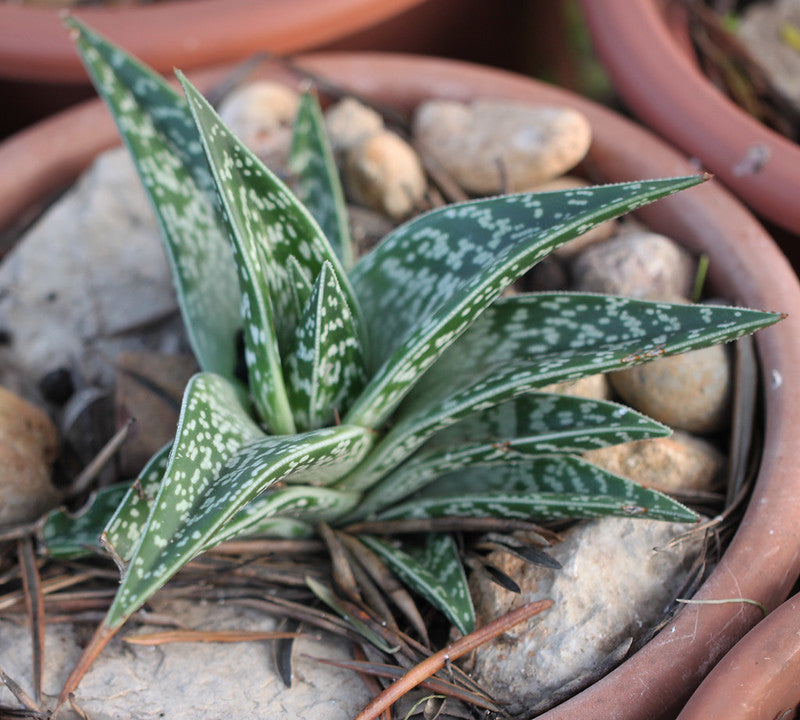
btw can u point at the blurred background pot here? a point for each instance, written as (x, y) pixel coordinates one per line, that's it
(763, 560)
(758, 678)
(644, 47)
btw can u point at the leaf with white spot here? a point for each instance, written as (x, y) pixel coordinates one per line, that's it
(263, 213)
(300, 286)
(535, 424)
(433, 571)
(124, 528)
(157, 127)
(209, 483)
(524, 342)
(67, 535)
(325, 370)
(544, 487)
(318, 185)
(303, 505)
(428, 281)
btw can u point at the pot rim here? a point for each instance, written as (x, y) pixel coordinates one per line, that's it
(757, 678)
(763, 559)
(656, 76)
(177, 33)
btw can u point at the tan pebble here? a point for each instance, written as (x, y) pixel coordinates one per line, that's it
(28, 447)
(675, 463)
(350, 122)
(262, 115)
(385, 174)
(690, 392)
(592, 386)
(639, 265)
(492, 146)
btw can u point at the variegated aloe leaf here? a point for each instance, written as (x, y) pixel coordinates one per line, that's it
(296, 506)
(429, 279)
(123, 530)
(263, 213)
(318, 185)
(69, 535)
(209, 483)
(527, 341)
(536, 424)
(544, 487)
(434, 571)
(300, 286)
(157, 127)
(325, 369)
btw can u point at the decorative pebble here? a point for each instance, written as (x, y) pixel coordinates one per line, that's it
(349, 123)
(491, 146)
(261, 114)
(385, 174)
(671, 464)
(28, 448)
(642, 265)
(613, 586)
(690, 392)
(595, 387)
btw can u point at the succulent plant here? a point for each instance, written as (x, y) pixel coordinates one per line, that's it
(402, 386)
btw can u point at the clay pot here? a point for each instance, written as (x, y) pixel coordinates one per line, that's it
(643, 46)
(763, 559)
(757, 679)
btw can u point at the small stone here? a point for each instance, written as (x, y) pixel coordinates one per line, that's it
(262, 114)
(492, 146)
(29, 446)
(367, 227)
(638, 265)
(613, 586)
(595, 387)
(689, 392)
(350, 123)
(597, 234)
(385, 174)
(677, 463)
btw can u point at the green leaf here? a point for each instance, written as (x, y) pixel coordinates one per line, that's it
(318, 185)
(536, 424)
(544, 487)
(524, 342)
(429, 279)
(300, 286)
(67, 535)
(157, 127)
(219, 463)
(263, 213)
(325, 370)
(435, 572)
(124, 527)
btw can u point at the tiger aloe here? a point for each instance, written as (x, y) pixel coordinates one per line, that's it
(399, 386)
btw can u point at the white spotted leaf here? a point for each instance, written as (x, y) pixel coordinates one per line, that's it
(318, 185)
(156, 125)
(429, 279)
(435, 572)
(263, 213)
(325, 369)
(538, 488)
(535, 424)
(524, 342)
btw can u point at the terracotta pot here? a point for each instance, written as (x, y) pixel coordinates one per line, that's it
(758, 678)
(644, 49)
(763, 560)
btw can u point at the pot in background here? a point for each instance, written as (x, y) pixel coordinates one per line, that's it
(763, 560)
(644, 47)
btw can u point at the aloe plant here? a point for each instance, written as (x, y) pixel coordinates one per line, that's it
(401, 386)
